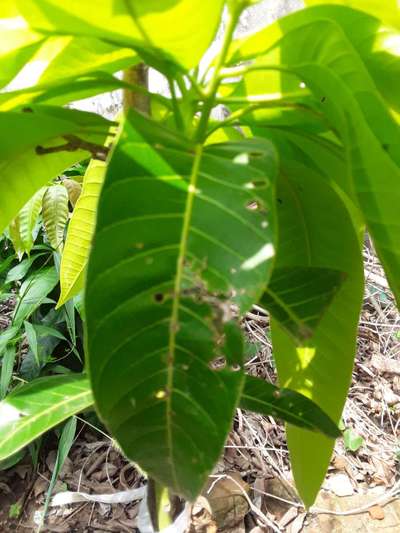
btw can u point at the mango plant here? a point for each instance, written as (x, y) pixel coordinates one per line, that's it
(185, 221)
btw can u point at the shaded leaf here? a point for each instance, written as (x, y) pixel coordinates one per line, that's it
(297, 297)
(7, 367)
(33, 292)
(182, 229)
(264, 398)
(34, 408)
(317, 230)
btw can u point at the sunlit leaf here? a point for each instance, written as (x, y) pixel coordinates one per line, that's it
(80, 231)
(31, 410)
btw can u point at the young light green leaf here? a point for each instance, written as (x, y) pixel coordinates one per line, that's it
(80, 232)
(264, 398)
(55, 214)
(352, 440)
(31, 410)
(186, 222)
(15, 237)
(28, 217)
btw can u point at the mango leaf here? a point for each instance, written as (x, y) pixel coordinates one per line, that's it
(31, 410)
(297, 297)
(32, 293)
(388, 11)
(17, 44)
(317, 230)
(15, 237)
(28, 217)
(376, 43)
(264, 398)
(55, 214)
(346, 95)
(150, 26)
(22, 133)
(186, 222)
(80, 231)
(74, 190)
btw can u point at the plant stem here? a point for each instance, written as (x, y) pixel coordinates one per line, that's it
(211, 90)
(137, 75)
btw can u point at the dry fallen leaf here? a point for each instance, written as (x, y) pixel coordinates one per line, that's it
(339, 484)
(376, 512)
(385, 365)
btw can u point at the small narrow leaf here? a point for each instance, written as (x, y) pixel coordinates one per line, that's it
(7, 367)
(33, 409)
(55, 214)
(264, 398)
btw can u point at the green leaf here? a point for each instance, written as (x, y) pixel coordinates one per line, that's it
(149, 26)
(297, 297)
(17, 44)
(19, 271)
(80, 232)
(22, 170)
(64, 446)
(352, 440)
(387, 11)
(7, 367)
(15, 237)
(28, 217)
(55, 214)
(316, 230)
(32, 341)
(36, 407)
(297, 51)
(33, 292)
(6, 336)
(264, 398)
(192, 230)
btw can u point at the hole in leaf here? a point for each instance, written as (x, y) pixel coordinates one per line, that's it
(280, 201)
(256, 184)
(161, 394)
(219, 363)
(277, 394)
(323, 99)
(235, 368)
(159, 297)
